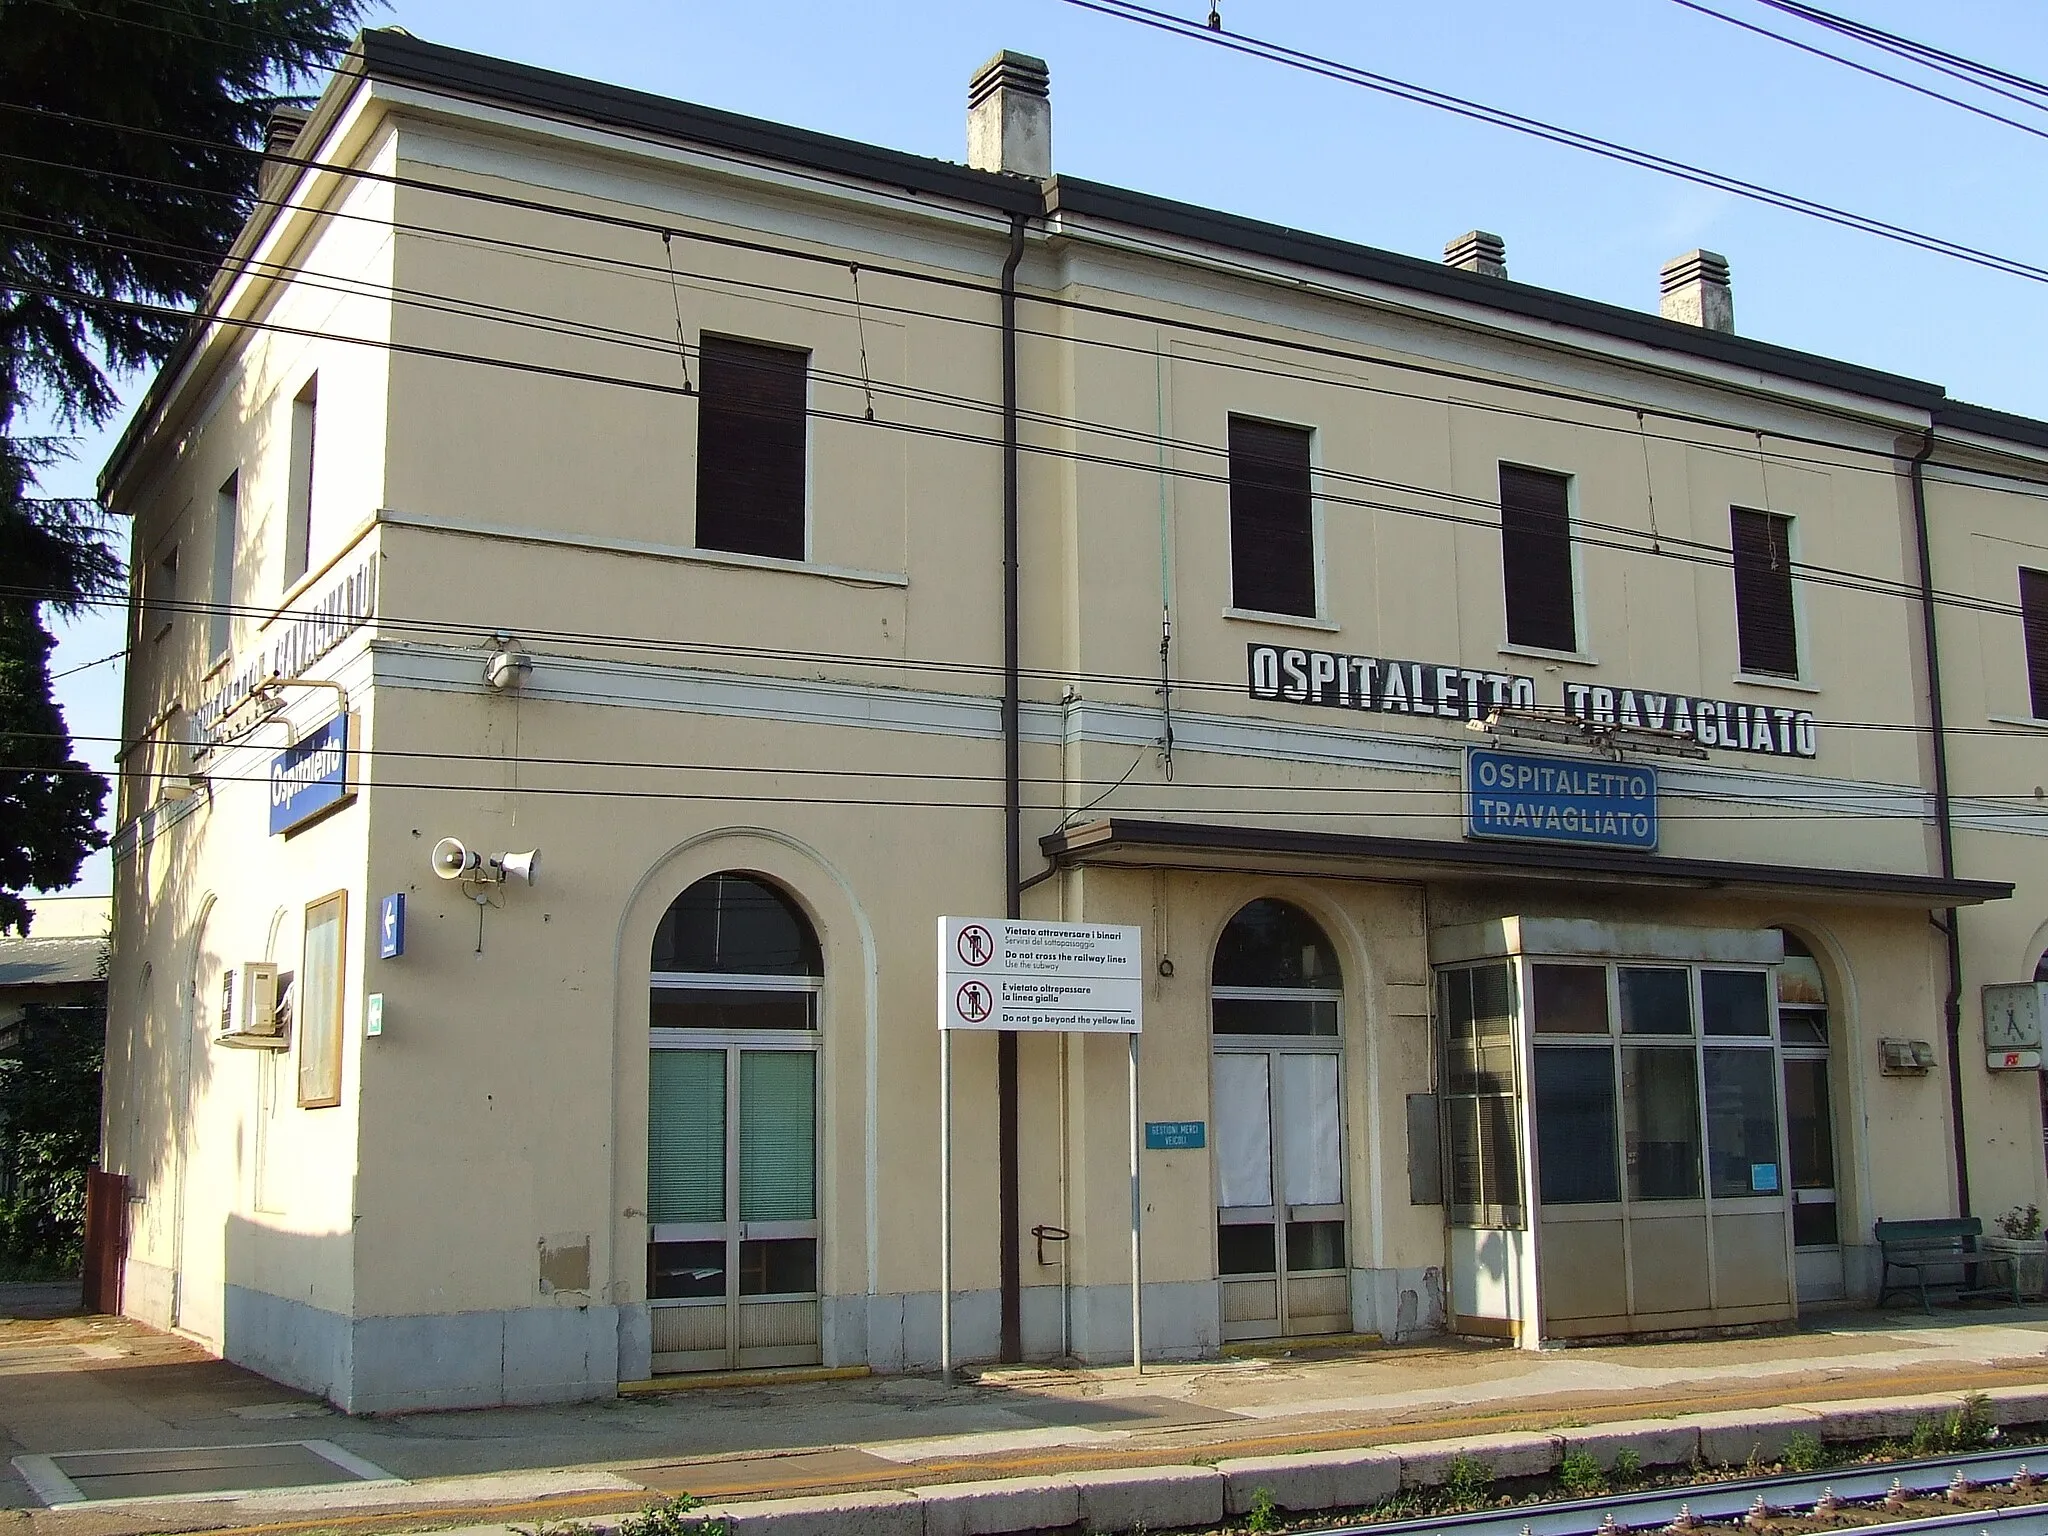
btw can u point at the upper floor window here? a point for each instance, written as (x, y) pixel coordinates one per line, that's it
(220, 612)
(298, 496)
(1536, 559)
(1767, 636)
(160, 595)
(1272, 519)
(2034, 620)
(752, 422)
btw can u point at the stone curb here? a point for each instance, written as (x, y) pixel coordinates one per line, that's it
(1179, 1497)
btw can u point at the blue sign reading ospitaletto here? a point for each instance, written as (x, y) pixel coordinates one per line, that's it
(1530, 798)
(310, 778)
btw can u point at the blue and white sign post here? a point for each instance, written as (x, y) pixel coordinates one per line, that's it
(1579, 802)
(310, 778)
(391, 927)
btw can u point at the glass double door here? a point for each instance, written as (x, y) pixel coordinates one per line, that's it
(732, 1253)
(1280, 1212)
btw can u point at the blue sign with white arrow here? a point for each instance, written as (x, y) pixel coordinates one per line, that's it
(391, 927)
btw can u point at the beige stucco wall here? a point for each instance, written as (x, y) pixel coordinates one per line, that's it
(832, 724)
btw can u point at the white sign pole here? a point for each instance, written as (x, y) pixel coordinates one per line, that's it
(1137, 1220)
(946, 1206)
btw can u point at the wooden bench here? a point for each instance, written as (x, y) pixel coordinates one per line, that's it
(1916, 1247)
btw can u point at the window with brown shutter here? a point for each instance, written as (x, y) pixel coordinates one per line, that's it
(1272, 519)
(1767, 637)
(751, 430)
(2034, 620)
(1536, 559)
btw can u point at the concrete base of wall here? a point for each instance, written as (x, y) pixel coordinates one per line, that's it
(1398, 1304)
(1183, 1321)
(148, 1292)
(456, 1360)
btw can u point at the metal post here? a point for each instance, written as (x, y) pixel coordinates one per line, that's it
(1137, 1221)
(946, 1206)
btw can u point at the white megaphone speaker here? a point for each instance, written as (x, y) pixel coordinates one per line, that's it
(520, 866)
(451, 860)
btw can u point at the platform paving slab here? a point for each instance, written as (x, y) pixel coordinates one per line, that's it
(1000, 1507)
(886, 1513)
(1737, 1437)
(1653, 1442)
(1513, 1453)
(1155, 1498)
(1311, 1480)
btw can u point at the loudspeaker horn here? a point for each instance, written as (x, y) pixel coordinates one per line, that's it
(451, 860)
(521, 866)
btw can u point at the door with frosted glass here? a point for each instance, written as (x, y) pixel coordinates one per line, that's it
(732, 1257)
(1280, 1214)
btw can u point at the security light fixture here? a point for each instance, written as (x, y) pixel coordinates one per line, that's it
(508, 665)
(1511, 722)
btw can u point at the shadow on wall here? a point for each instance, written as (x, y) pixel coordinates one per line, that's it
(272, 1320)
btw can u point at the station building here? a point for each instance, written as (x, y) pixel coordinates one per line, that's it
(1574, 770)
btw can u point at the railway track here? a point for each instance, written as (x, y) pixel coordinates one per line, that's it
(1653, 1510)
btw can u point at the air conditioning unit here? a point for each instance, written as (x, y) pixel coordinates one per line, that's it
(248, 1007)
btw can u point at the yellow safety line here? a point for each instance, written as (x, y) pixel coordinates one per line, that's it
(1164, 1455)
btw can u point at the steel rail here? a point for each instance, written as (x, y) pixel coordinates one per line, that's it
(1653, 1509)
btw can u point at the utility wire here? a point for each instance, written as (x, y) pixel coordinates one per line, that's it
(1865, 69)
(467, 633)
(1058, 302)
(1351, 74)
(1985, 76)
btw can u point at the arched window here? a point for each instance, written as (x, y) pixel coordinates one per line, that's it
(1275, 973)
(1803, 1031)
(732, 1128)
(1276, 1100)
(2041, 967)
(733, 952)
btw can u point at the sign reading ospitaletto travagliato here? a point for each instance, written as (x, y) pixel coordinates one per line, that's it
(1385, 685)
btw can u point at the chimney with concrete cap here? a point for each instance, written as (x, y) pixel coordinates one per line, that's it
(1477, 251)
(280, 137)
(1696, 292)
(1009, 116)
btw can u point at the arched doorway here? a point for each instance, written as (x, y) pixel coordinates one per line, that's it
(1805, 1035)
(1276, 1005)
(732, 1129)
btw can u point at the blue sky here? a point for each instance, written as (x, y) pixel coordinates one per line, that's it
(1190, 121)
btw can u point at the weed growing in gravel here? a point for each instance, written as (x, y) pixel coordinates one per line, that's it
(1468, 1482)
(1804, 1453)
(1579, 1475)
(1969, 1428)
(1627, 1468)
(1263, 1516)
(670, 1517)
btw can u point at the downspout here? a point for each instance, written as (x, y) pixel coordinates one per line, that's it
(1944, 825)
(1007, 1199)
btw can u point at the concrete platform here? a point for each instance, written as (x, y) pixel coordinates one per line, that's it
(1324, 1428)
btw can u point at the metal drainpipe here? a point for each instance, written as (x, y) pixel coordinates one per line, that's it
(1944, 826)
(1007, 1200)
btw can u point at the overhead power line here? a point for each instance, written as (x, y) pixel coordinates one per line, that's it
(2036, 130)
(1663, 165)
(2003, 82)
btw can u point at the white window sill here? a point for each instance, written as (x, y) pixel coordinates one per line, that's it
(1544, 653)
(684, 553)
(1284, 620)
(1760, 680)
(2031, 722)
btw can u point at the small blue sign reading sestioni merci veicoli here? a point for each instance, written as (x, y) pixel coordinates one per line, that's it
(1525, 797)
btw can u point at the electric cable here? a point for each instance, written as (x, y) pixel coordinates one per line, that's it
(1985, 76)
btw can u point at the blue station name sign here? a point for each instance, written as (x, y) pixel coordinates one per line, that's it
(310, 778)
(1525, 797)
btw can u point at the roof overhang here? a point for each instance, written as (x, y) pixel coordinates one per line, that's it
(1215, 848)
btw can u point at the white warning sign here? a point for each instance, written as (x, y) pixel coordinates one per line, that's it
(1006, 973)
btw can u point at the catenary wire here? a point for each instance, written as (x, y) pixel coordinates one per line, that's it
(1812, 576)
(1351, 74)
(1863, 791)
(1506, 385)
(1984, 76)
(1864, 69)
(593, 331)
(612, 640)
